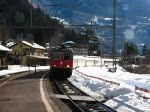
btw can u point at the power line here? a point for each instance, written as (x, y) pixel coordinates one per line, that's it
(72, 25)
(96, 26)
(77, 5)
(35, 27)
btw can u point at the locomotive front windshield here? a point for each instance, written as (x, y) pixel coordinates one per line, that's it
(56, 56)
(67, 56)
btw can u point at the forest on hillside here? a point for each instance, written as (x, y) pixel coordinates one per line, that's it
(19, 20)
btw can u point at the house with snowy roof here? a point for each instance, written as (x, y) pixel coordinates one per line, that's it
(3, 56)
(27, 53)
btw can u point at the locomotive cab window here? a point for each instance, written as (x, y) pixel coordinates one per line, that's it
(56, 56)
(67, 56)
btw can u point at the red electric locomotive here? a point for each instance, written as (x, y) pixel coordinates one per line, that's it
(61, 63)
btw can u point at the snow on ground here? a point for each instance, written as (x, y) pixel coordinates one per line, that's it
(17, 68)
(123, 97)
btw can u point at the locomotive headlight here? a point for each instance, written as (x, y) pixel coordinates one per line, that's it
(68, 66)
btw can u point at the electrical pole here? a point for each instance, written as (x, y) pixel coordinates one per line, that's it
(21, 54)
(114, 37)
(31, 14)
(101, 51)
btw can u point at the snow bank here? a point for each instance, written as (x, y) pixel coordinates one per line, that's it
(123, 97)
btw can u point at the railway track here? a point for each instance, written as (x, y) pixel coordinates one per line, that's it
(77, 100)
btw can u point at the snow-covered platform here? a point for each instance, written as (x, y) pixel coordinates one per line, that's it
(78, 98)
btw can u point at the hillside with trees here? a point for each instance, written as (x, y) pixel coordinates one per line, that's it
(20, 20)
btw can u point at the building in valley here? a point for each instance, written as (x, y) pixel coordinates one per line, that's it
(4, 57)
(29, 54)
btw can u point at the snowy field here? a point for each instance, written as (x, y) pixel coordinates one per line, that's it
(119, 87)
(17, 68)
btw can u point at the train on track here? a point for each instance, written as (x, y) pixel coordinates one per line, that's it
(61, 63)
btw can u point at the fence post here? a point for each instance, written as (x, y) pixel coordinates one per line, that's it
(85, 62)
(94, 62)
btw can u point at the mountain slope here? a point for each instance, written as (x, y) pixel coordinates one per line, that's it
(15, 22)
(133, 17)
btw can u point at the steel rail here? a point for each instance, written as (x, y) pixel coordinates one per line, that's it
(98, 105)
(77, 108)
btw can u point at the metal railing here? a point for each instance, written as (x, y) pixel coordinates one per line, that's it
(88, 62)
